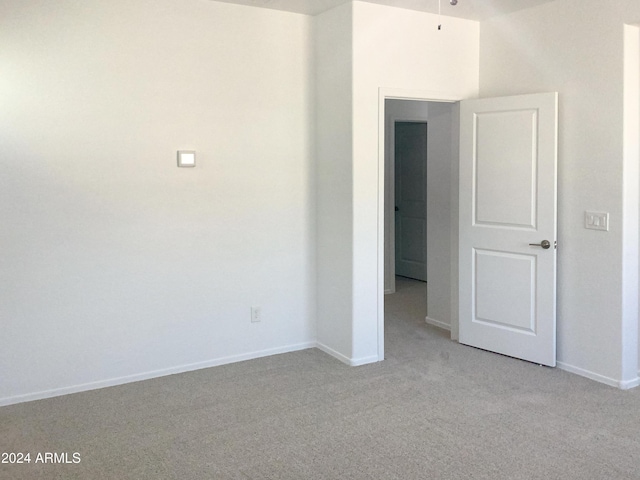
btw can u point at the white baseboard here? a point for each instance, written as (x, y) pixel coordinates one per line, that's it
(352, 362)
(438, 323)
(629, 384)
(56, 392)
(356, 362)
(612, 382)
(334, 353)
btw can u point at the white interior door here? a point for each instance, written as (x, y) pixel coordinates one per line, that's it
(411, 199)
(508, 159)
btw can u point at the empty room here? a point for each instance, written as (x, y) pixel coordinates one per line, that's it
(221, 257)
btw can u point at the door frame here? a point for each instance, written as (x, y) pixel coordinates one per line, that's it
(423, 96)
(390, 165)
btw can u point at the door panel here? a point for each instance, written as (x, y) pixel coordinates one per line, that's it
(411, 199)
(504, 294)
(505, 180)
(508, 157)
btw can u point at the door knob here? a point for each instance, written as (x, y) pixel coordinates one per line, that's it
(546, 244)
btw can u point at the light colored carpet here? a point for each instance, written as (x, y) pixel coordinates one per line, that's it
(433, 410)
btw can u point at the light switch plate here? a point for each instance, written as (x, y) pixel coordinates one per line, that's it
(596, 221)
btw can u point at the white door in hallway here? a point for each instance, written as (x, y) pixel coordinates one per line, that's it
(508, 203)
(411, 199)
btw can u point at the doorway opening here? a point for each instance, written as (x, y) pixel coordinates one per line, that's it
(499, 201)
(420, 204)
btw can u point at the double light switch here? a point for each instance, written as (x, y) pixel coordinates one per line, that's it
(596, 221)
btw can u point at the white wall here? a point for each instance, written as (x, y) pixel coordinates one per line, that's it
(631, 192)
(575, 47)
(333, 62)
(115, 264)
(440, 160)
(403, 50)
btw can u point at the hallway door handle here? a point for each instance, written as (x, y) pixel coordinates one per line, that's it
(546, 244)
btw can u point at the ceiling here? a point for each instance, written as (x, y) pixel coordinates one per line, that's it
(469, 9)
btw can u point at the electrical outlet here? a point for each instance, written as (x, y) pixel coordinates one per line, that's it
(256, 314)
